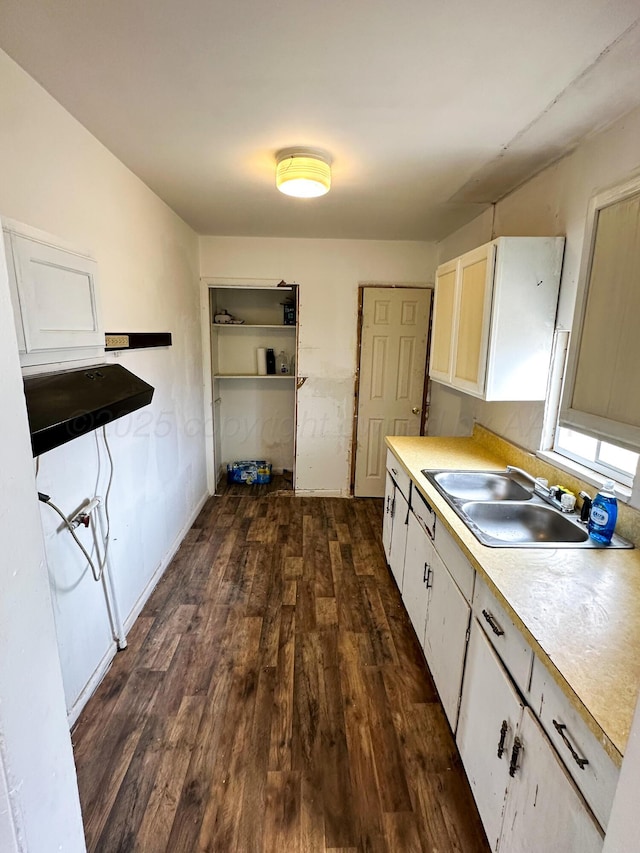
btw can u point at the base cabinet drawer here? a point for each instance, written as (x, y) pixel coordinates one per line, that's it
(590, 767)
(459, 567)
(504, 636)
(400, 476)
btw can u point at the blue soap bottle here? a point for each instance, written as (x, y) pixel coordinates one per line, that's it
(604, 513)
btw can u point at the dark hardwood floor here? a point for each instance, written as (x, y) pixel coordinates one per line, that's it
(273, 698)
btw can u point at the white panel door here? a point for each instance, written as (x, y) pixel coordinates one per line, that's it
(544, 809)
(490, 715)
(395, 325)
(445, 641)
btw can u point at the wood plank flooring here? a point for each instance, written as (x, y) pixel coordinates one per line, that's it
(273, 698)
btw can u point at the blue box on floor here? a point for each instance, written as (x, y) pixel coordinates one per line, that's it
(251, 471)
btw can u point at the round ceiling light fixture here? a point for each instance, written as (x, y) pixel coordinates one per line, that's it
(303, 172)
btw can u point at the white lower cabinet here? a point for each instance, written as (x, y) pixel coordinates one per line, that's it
(439, 614)
(387, 519)
(490, 715)
(445, 639)
(544, 810)
(417, 576)
(520, 740)
(525, 797)
(399, 527)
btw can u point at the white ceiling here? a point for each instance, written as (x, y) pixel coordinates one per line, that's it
(431, 109)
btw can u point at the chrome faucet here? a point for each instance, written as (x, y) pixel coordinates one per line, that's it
(539, 488)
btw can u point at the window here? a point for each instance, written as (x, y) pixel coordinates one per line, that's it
(602, 395)
(607, 459)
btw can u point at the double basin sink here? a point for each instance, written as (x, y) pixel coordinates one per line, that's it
(502, 513)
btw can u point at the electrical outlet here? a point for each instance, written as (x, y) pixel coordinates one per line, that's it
(116, 341)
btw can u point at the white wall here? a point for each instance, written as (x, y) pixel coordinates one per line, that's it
(328, 272)
(39, 806)
(55, 176)
(553, 203)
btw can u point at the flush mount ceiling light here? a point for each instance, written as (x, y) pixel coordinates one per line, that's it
(303, 172)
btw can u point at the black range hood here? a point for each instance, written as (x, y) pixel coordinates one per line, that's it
(64, 405)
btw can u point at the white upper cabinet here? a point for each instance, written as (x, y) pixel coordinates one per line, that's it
(54, 297)
(494, 318)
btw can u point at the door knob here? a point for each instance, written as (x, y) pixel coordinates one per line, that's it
(416, 410)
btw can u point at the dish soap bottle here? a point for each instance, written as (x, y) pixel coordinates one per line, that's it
(604, 513)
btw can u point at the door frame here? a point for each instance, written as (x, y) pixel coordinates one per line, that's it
(207, 284)
(426, 391)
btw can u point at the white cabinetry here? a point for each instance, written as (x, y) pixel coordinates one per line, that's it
(494, 317)
(54, 297)
(396, 517)
(544, 810)
(438, 610)
(490, 714)
(445, 640)
(526, 799)
(417, 576)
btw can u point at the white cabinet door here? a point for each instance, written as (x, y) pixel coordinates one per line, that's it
(417, 575)
(387, 519)
(58, 299)
(544, 809)
(490, 715)
(399, 523)
(444, 322)
(445, 641)
(475, 290)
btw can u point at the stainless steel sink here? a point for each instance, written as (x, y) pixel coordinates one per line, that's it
(481, 486)
(522, 524)
(502, 513)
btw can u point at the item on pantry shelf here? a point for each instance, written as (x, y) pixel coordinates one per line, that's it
(289, 311)
(604, 513)
(261, 356)
(283, 362)
(250, 471)
(271, 362)
(223, 318)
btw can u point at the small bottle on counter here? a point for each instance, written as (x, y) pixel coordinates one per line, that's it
(604, 514)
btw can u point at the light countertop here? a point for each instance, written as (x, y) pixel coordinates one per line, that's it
(579, 609)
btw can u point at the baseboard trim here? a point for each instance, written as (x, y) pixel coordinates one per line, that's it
(323, 493)
(101, 670)
(155, 577)
(91, 686)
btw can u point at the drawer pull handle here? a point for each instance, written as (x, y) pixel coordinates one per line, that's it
(560, 728)
(394, 471)
(517, 746)
(504, 728)
(426, 576)
(497, 630)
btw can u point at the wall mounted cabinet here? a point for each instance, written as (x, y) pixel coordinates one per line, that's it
(54, 294)
(494, 318)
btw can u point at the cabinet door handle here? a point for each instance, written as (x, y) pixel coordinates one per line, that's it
(504, 728)
(515, 752)
(393, 508)
(426, 576)
(388, 502)
(497, 630)
(560, 728)
(394, 471)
